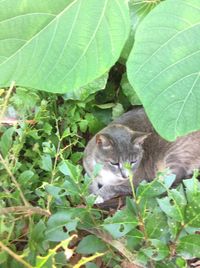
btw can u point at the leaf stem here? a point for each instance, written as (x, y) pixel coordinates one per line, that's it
(14, 180)
(25, 209)
(6, 101)
(14, 255)
(141, 221)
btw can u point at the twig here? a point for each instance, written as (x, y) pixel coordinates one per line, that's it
(15, 256)
(6, 101)
(14, 180)
(25, 209)
(12, 121)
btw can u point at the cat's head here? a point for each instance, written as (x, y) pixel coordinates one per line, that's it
(118, 151)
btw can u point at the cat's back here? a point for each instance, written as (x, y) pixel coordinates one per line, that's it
(136, 119)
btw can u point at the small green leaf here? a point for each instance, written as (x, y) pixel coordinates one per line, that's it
(117, 110)
(156, 224)
(121, 223)
(22, 103)
(3, 257)
(181, 263)
(189, 246)
(83, 125)
(76, 157)
(68, 169)
(37, 236)
(158, 250)
(53, 190)
(91, 265)
(46, 162)
(192, 212)
(106, 105)
(59, 225)
(192, 187)
(134, 238)
(152, 189)
(171, 209)
(129, 91)
(91, 244)
(25, 177)
(6, 141)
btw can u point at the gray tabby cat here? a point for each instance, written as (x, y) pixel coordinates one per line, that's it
(132, 139)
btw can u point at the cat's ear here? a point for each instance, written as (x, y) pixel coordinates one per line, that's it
(139, 137)
(104, 141)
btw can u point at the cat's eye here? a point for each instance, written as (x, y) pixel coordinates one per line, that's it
(133, 162)
(114, 164)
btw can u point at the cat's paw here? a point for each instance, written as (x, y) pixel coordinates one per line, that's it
(99, 200)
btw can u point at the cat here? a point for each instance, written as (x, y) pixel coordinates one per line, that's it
(132, 139)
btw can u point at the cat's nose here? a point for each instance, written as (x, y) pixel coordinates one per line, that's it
(99, 185)
(125, 173)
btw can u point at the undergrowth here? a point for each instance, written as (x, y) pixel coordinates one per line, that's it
(47, 216)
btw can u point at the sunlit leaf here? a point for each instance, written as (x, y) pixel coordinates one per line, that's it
(164, 65)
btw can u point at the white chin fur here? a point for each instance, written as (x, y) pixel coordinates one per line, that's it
(99, 200)
(107, 178)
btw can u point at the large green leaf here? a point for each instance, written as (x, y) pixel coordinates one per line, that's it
(164, 67)
(138, 10)
(61, 45)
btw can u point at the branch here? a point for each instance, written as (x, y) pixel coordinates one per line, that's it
(14, 180)
(6, 101)
(25, 209)
(14, 255)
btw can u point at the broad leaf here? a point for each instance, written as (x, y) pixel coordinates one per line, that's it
(91, 244)
(189, 246)
(157, 251)
(156, 224)
(6, 141)
(68, 169)
(134, 238)
(46, 162)
(121, 223)
(59, 225)
(84, 92)
(192, 211)
(25, 177)
(164, 67)
(172, 210)
(156, 187)
(59, 46)
(138, 10)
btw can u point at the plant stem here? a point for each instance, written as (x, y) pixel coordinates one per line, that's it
(142, 224)
(6, 101)
(14, 180)
(25, 209)
(14, 255)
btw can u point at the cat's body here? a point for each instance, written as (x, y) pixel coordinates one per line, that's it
(132, 139)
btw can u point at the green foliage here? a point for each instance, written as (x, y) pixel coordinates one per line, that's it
(60, 44)
(164, 67)
(91, 244)
(47, 216)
